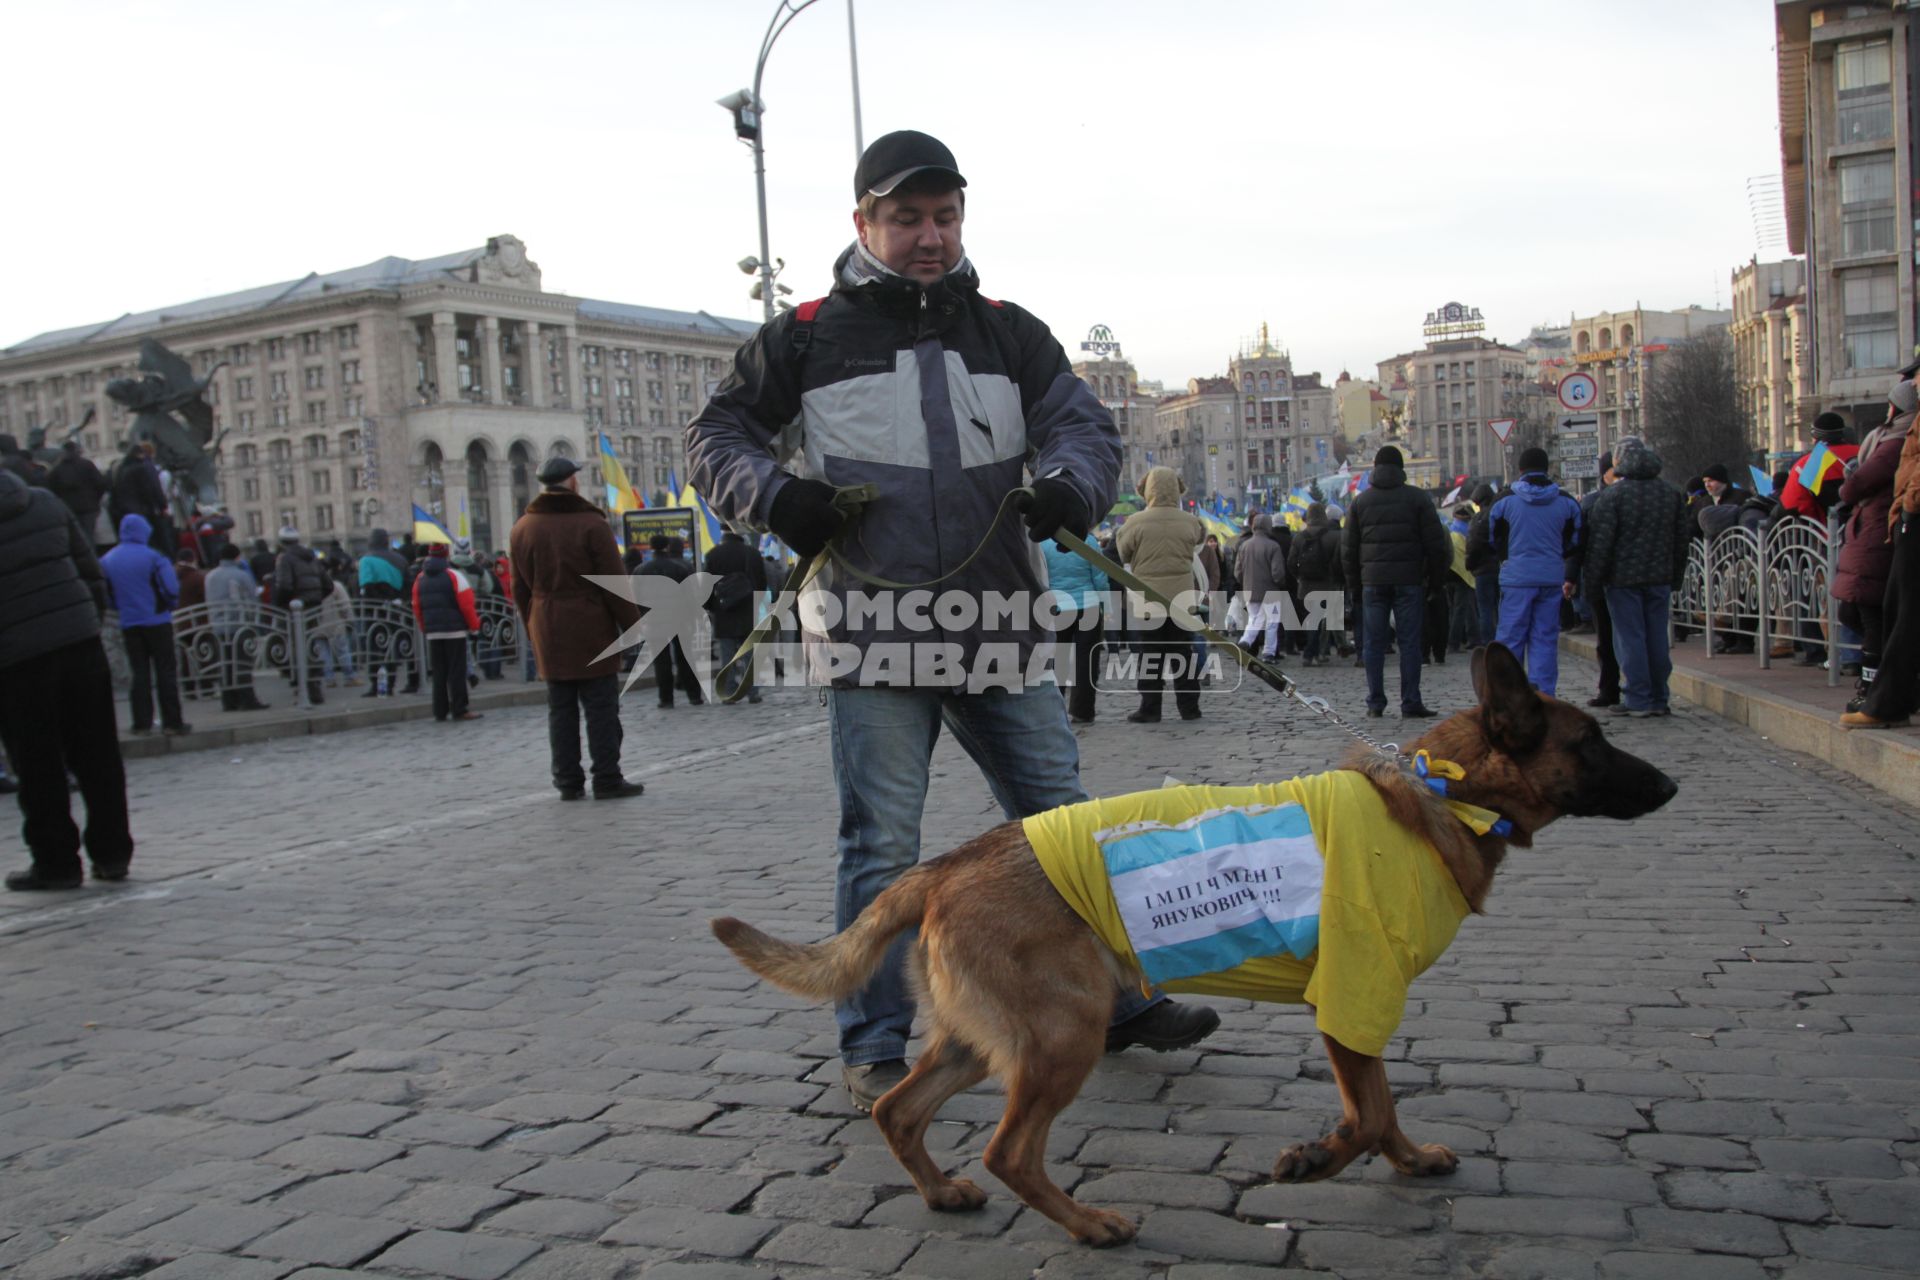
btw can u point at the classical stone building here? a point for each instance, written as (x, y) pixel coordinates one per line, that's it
(1771, 342)
(1848, 134)
(1112, 377)
(1621, 349)
(1255, 433)
(345, 398)
(1453, 387)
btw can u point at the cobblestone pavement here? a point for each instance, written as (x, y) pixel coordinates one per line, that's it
(377, 1004)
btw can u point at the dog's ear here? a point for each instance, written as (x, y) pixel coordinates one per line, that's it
(1515, 720)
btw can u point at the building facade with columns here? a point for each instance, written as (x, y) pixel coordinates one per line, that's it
(1111, 377)
(344, 399)
(1771, 342)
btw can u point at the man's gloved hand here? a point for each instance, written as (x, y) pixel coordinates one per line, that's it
(1055, 505)
(804, 517)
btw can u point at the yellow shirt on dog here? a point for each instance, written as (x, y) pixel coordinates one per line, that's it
(1387, 906)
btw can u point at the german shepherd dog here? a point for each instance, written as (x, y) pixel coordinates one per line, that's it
(1018, 986)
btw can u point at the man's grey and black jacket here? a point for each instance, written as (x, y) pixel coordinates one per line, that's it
(1638, 533)
(943, 398)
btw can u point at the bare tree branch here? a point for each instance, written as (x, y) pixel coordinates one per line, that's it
(1693, 413)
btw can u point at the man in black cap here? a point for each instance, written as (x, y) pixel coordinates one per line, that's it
(555, 545)
(1395, 547)
(909, 378)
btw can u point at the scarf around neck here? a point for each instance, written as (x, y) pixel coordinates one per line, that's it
(860, 267)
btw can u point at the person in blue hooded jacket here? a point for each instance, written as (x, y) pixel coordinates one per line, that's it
(1536, 536)
(144, 588)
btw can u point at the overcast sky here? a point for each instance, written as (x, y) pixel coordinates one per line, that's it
(1177, 171)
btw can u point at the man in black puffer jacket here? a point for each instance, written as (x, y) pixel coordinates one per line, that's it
(1636, 554)
(56, 693)
(1395, 546)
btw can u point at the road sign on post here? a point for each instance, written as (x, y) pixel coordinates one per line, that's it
(1502, 428)
(1578, 391)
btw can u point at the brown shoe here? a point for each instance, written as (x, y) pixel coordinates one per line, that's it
(1861, 720)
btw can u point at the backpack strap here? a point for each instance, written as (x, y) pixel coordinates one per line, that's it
(804, 316)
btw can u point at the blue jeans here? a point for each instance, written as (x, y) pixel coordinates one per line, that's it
(1407, 606)
(882, 747)
(1640, 643)
(1530, 627)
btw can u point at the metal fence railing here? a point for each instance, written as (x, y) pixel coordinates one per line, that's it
(1766, 586)
(222, 646)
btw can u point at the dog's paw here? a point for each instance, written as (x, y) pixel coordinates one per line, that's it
(1302, 1162)
(1102, 1228)
(957, 1196)
(1429, 1161)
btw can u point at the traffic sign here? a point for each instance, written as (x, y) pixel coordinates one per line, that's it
(1578, 391)
(1501, 428)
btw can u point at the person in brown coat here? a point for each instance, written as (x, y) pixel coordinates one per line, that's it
(560, 540)
(1866, 556)
(1893, 695)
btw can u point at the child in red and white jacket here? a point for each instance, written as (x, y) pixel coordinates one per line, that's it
(443, 605)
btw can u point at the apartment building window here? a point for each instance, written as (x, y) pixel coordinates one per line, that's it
(1863, 87)
(85, 382)
(623, 358)
(314, 377)
(316, 411)
(316, 446)
(359, 514)
(623, 387)
(685, 417)
(277, 385)
(246, 419)
(655, 389)
(322, 482)
(656, 417)
(279, 415)
(283, 485)
(250, 489)
(510, 378)
(683, 364)
(1866, 204)
(632, 445)
(464, 375)
(255, 526)
(463, 346)
(1869, 329)
(653, 359)
(553, 351)
(243, 388)
(289, 517)
(560, 384)
(626, 413)
(347, 336)
(310, 343)
(713, 366)
(595, 417)
(349, 442)
(349, 371)
(279, 451)
(240, 353)
(685, 390)
(356, 478)
(276, 348)
(352, 406)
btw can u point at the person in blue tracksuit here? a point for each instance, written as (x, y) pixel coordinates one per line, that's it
(1536, 536)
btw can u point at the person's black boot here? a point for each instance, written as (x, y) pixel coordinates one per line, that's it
(33, 880)
(1163, 1027)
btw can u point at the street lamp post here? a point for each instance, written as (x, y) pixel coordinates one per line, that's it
(747, 109)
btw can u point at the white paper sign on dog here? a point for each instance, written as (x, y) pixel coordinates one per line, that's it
(1220, 888)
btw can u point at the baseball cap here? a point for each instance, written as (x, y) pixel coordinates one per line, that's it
(892, 159)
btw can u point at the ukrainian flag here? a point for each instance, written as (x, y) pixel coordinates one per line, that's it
(620, 492)
(707, 529)
(427, 531)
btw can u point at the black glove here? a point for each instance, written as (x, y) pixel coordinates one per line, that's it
(804, 517)
(1055, 505)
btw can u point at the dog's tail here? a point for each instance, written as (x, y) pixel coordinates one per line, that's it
(841, 965)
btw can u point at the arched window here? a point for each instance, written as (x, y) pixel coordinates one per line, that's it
(1626, 335)
(1582, 342)
(433, 480)
(1606, 339)
(520, 476)
(479, 496)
